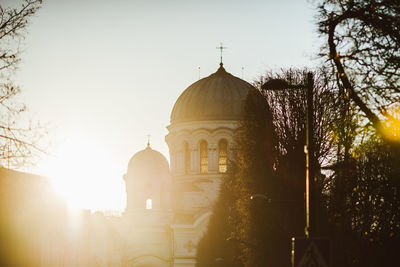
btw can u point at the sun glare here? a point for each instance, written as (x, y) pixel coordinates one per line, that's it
(79, 173)
(392, 125)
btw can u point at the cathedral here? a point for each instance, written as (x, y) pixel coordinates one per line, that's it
(169, 206)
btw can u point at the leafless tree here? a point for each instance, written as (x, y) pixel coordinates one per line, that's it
(362, 41)
(18, 140)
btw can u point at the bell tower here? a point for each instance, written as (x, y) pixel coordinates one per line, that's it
(148, 187)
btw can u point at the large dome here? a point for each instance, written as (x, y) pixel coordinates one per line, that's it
(219, 96)
(148, 161)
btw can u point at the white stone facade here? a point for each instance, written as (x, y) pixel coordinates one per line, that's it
(194, 191)
(167, 235)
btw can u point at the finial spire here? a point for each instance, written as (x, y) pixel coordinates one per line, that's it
(199, 73)
(148, 141)
(221, 48)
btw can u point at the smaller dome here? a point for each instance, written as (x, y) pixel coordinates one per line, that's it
(147, 162)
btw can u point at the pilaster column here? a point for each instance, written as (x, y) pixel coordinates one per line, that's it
(180, 168)
(172, 156)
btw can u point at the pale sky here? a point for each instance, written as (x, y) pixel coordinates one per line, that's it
(104, 74)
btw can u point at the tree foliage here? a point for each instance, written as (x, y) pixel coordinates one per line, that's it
(18, 142)
(364, 206)
(362, 41)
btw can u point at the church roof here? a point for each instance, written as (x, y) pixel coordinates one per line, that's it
(148, 160)
(219, 96)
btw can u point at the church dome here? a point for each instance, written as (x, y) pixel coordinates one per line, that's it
(219, 96)
(148, 161)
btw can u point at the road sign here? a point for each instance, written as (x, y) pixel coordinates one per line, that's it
(310, 252)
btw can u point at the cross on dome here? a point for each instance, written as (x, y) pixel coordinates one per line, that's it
(221, 48)
(148, 140)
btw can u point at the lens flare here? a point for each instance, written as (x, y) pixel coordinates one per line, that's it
(79, 173)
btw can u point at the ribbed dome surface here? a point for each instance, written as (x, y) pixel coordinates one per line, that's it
(217, 97)
(147, 162)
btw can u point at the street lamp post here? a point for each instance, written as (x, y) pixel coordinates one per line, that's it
(278, 84)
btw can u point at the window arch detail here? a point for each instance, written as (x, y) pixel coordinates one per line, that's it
(149, 204)
(203, 157)
(222, 156)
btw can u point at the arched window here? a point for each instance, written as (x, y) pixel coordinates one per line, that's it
(187, 157)
(203, 157)
(223, 155)
(149, 204)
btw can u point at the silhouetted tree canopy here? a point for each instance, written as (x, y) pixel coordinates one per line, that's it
(18, 142)
(289, 119)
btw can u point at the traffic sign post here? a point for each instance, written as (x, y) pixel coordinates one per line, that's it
(310, 252)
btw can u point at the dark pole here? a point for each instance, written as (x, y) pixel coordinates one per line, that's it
(309, 150)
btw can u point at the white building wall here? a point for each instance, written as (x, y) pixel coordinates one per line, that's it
(198, 190)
